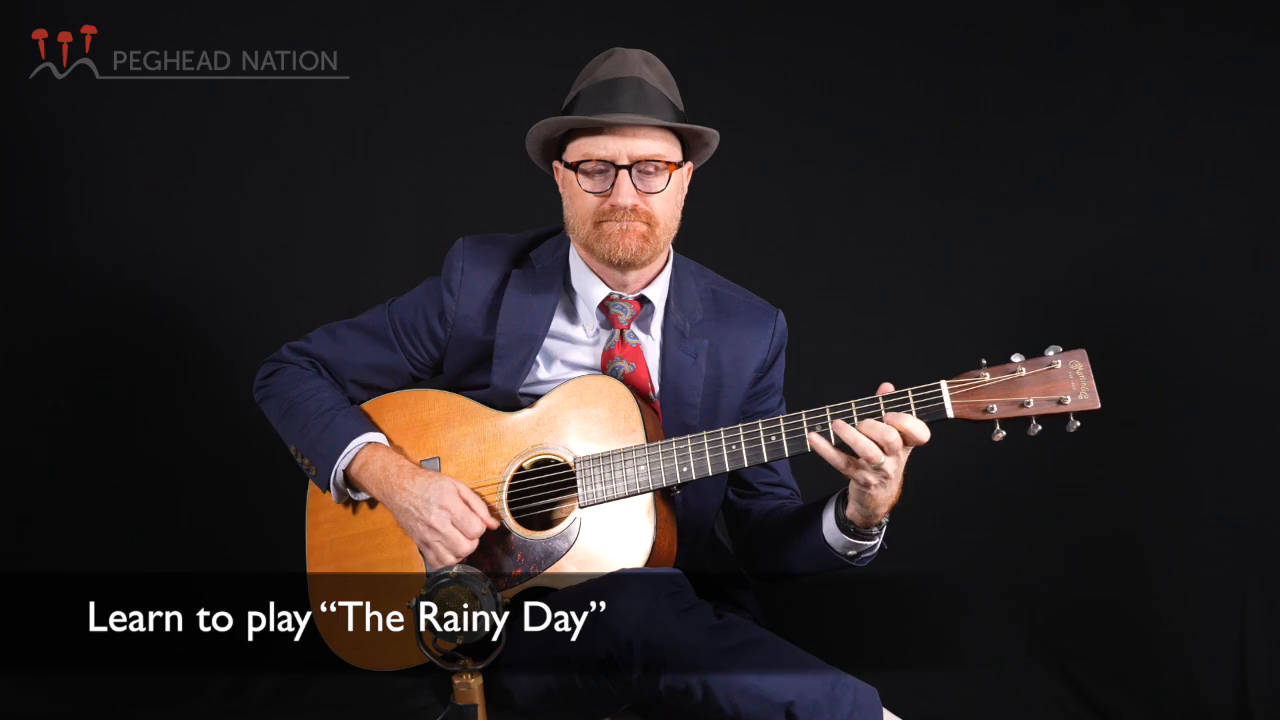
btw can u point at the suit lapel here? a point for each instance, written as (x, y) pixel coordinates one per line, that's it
(528, 306)
(684, 354)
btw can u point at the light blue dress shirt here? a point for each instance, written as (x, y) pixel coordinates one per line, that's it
(574, 343)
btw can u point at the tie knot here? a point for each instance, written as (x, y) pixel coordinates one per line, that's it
(620, 310)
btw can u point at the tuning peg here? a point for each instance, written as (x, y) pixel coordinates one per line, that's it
(1053, 350)
(998, 434)
(1016, 357)
(1073, 424)
(1034, 428)
(984, 363)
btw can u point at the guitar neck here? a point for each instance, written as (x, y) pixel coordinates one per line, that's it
(638, 469)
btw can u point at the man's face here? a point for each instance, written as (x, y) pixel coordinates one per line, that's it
(623, 228)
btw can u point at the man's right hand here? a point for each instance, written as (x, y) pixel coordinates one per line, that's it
(442, 515)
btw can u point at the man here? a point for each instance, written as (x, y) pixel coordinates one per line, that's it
(511, 317)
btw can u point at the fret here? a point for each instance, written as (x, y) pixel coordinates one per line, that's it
(769, 435)
(787, 437)
(615, 456)
(911, 401)
(648, 467)
(662, 465)
(853, 405)
(688, 446)
(804, 422)
(830, 430)
(598, 465)
(620, 484)
(881, 397)
(585, 466)
(724, 450)
(742, 446)
(706, 453)
(626, 486)
(784, 435)
(635, 466)
(760, 432)
(579, 471)
(597, 471)
(602, 488)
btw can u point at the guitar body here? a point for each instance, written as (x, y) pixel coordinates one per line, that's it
(520, 463)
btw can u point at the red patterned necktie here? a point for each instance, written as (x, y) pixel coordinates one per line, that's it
(622, 357)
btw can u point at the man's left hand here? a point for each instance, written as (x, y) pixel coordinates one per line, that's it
(875, 474)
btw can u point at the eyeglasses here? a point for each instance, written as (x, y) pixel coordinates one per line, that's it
(649, 176)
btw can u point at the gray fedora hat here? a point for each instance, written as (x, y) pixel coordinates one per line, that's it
(621, 86)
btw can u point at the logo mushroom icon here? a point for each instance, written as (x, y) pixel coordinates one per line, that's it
(88, 31)
(39, 35)
(64, 37)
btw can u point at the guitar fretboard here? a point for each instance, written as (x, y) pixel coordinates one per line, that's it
(638, 469)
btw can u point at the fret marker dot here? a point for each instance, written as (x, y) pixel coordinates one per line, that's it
(773, 437)
(641, 467)
(684, 468)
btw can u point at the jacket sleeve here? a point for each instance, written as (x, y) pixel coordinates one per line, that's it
(774, 532)
(311, 388)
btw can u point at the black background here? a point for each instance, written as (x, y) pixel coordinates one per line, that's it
(916, 189)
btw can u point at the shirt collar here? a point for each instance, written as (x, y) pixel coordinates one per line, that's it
(589, 290)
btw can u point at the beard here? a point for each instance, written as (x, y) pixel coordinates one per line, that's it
(640, 241)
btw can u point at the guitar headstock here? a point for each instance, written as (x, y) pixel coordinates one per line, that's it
(1054, 383)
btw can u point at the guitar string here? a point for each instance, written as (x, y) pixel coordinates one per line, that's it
(818, 413)
(928, 395)
(728, 432)
(705, 456)
(614, 484)
(620, 488)
(705, 452)
(968, 384)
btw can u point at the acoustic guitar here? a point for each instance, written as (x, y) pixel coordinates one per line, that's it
(577, 477)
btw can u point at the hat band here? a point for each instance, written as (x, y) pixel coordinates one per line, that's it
(624, 95)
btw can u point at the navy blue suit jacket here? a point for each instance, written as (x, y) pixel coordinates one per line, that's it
(476, 328)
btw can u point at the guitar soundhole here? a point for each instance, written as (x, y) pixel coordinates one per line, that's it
(542, 493)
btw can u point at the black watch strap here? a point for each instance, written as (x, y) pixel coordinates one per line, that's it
(848, 528)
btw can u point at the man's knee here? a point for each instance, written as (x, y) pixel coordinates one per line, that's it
(637, 594)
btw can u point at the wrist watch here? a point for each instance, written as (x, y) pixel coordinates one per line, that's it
(848, 528)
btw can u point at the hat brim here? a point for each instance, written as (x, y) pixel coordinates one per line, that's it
(543, 139)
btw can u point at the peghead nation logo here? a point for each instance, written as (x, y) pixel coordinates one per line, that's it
(144, 64)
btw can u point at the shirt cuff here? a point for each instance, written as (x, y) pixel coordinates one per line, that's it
(337, 482)
(855, 551)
